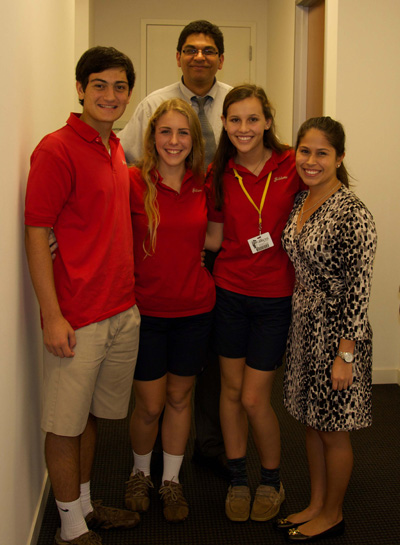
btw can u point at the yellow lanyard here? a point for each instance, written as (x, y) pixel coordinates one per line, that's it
(259, 210)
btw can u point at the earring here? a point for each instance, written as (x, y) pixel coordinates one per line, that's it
(337, 166)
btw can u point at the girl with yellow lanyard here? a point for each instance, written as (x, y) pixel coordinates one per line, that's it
(252, 186)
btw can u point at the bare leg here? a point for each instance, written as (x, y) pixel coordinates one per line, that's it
(177, 415)
(149, 402)
(88, 448)
(69, 461)
(62, 458)
(338, 454)
(256, 400)
(317, 470)
(234, 422)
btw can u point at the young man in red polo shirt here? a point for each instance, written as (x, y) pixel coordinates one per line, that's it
(79, 185)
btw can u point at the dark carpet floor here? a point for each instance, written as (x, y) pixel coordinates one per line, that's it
(372, 504)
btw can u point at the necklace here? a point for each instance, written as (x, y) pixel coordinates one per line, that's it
(331, 192)
(258, 164)
(262, 160)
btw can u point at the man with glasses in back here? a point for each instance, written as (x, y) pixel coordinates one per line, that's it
(200, 54)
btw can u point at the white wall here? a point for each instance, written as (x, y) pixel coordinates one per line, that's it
(36, 95)
(364, 95)
(118, 23)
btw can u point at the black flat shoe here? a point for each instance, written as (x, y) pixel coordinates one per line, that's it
(294, 534)
(285, 524)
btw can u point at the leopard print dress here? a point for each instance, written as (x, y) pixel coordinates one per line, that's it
(333, 257)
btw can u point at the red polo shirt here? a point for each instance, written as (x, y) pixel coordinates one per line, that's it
(268, 273)
(172, 283)
(79, 189)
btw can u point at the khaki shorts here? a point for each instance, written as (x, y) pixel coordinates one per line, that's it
(97, 380)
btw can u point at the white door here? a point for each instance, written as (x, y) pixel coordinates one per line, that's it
(160, 38)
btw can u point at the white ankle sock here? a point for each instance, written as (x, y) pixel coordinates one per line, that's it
(86, 502)
(141, 463)
(72, 520)
(172, 466)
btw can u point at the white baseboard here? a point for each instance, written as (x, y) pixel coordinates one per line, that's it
(386, 376)
(39, 513)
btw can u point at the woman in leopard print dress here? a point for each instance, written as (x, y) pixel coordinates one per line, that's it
(331, 239)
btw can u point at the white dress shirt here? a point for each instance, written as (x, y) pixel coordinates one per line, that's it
(132, 135)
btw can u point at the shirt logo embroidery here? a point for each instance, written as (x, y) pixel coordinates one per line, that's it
(278, 178)
(196, 190)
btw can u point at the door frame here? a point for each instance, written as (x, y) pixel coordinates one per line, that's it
(300, 64)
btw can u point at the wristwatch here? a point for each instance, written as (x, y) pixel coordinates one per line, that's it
(347, 357)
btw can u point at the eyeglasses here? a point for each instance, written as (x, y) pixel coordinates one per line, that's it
(206, 52)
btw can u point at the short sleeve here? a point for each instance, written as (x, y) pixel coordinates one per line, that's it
(49, 185)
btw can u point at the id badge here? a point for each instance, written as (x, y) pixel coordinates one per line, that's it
(260, 243)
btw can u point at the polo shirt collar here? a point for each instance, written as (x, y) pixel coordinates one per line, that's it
(84, 130)
(158, 178)
(272, 164)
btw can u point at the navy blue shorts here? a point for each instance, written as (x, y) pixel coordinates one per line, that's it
(255, 328)
(172, 345)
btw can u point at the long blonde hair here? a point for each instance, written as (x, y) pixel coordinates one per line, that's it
(150, 162)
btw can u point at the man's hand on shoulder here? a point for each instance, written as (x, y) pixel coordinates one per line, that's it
(59, 337)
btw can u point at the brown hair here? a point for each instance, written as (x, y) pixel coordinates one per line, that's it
(98, 59)
(226, 149)
(334, 133)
